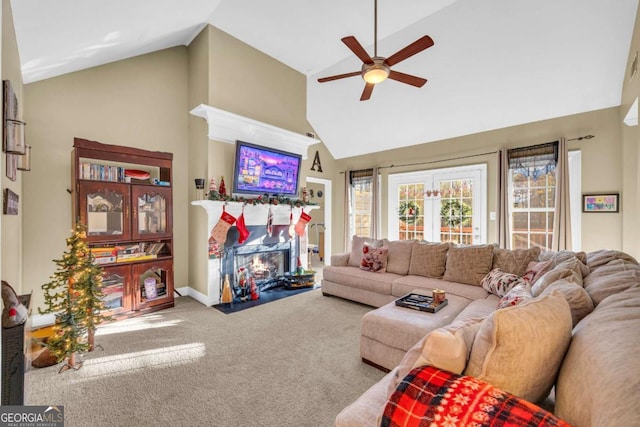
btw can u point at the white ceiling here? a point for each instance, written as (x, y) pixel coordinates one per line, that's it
(495, 63)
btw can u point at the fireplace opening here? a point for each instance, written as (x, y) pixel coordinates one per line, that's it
(266, 264)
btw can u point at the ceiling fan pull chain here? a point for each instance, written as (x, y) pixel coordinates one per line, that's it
(375, 27)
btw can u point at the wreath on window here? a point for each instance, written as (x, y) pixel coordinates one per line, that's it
(408, 212)
(455, 213)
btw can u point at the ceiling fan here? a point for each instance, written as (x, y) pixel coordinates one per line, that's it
(377, 69)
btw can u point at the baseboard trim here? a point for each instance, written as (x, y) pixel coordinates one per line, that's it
(198, 296)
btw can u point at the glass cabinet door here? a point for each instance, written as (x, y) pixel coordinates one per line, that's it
(115, 289)
(151, 218)
(154, 283)
(104, 209)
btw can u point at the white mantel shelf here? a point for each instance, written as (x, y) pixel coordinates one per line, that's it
(229, 127)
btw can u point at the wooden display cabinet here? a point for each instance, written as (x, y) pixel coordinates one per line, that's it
(130, 219)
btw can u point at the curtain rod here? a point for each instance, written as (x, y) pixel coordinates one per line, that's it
(580, 138)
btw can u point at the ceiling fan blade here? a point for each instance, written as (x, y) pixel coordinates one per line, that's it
(357, 49)
(407, 78)
(416, 47)
(339, 76)
(366, 93)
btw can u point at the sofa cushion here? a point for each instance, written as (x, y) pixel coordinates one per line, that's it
(604, 256)
(356, 278)
(402, 328)
(514, 261)
(519, 349)
(428, 396)
(428, 259)
(598, 383)
(399, 255)
(405, 284)
(600, 286)
(478, 308)
(517, 295)
(468, 264)
(574, 264)
(499, 282)
(356, 249)
(445, 348)
(559, 256)
(579, 300)
(537, 269)
(373, 259)
(552, 276)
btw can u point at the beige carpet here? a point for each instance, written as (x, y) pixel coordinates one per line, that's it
(292, 362)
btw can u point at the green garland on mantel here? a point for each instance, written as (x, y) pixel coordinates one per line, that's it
(260, 200)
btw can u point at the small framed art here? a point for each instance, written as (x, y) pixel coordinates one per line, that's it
(10, 206)
(606, 202)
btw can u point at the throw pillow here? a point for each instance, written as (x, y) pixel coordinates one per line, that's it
(515, 296)
(356, 249)
(14, 312)
(559, 256)
(374, 259)
(579, 300)
(446, 348)
(519, 349)
(468, 264)
(575, 264)
(428, 259)
(552, 276)
(499, 282)
(514, 261)
(398, 256)
(535, 270)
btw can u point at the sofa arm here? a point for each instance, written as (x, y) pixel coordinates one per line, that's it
(340, 260)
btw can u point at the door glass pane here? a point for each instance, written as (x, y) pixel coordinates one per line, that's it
(152, 214)
(456, 211)
(411, 211)
(104, 213)
(113, 291)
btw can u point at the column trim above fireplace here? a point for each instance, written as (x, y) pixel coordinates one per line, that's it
(229, 127)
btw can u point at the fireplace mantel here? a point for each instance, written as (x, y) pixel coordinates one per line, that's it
(229, 127)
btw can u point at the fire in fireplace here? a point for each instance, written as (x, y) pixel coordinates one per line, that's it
(265, 263)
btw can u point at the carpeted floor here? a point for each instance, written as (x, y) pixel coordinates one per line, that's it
(293, 362)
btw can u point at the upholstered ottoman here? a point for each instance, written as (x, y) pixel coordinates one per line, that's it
(388, 332)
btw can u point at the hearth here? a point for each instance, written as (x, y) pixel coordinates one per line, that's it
(265, 263)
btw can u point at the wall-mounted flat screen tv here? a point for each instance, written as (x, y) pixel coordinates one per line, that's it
(260, 170)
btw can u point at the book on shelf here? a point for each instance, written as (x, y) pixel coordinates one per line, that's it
(104, 259)
(135, 257)
(154, 248)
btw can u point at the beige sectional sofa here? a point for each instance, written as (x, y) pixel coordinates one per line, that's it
(598, 381)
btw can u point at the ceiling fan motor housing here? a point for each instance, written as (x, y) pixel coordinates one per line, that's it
(376, 72)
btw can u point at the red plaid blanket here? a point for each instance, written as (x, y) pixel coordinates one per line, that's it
(430, 397)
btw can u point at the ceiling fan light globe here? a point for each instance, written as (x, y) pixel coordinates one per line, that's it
(375, 75)
(376, 72)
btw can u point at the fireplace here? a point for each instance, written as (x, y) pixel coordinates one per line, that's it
(266, 258)
(265, 263)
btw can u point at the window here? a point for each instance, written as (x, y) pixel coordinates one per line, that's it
(446, 205)
(361, 206)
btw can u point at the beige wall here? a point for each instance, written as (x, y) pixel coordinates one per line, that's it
(601, 164)
(139, 102)
(631, 154)
(237, 78)
(11, 225)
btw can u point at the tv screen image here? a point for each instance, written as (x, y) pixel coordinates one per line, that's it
(260, 170)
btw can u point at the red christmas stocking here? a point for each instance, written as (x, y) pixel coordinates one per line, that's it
(219, 232)
(242, 229)
(302, 223)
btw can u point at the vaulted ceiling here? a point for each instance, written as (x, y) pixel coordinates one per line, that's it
(495, 63)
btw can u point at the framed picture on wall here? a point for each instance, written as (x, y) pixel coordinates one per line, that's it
(10, 205)
(13, 128)
(607, 202)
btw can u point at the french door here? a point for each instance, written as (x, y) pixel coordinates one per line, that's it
(442, 205)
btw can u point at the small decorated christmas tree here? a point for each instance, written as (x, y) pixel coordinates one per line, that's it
(222, 189)
(74, 295)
